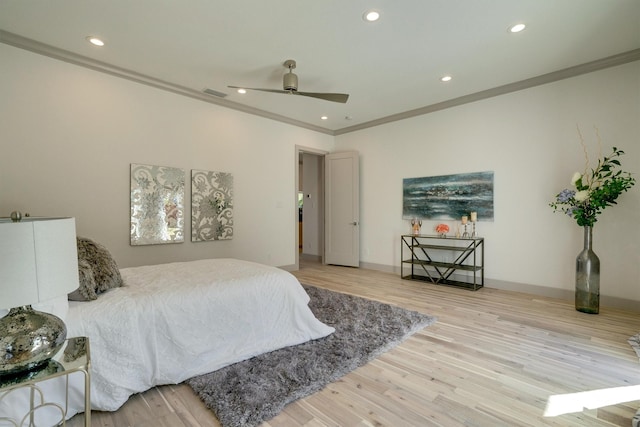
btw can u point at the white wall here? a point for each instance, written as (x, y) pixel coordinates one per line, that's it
(529, 140)
(68, 135)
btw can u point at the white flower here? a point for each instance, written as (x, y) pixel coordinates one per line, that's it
(576, 176)
(581, 196)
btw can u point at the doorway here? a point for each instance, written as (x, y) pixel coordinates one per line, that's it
(309, 242)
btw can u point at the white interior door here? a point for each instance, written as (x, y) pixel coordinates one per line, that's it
(342, 209)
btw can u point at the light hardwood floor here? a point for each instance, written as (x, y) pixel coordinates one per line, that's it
(493, 358)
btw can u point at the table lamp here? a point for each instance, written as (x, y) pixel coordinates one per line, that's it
(38, 262)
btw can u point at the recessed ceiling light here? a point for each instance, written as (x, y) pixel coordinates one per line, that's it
(517, 28)
(371, 15)
(95, 41)
(242, 91)
(324, 118)
(445, 78)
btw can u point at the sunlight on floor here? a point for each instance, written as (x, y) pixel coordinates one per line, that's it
(559, 404)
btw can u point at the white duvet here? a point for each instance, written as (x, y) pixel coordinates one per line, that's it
(171, 322)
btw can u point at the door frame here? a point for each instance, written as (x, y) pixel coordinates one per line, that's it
(299, 149)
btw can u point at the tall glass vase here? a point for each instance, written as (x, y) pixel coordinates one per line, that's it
(588, 276)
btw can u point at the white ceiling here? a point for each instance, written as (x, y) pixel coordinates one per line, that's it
(390, 68)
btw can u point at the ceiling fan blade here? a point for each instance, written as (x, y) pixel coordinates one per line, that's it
(334, 97)
(260, 89)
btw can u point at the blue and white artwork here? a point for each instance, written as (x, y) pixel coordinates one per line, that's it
(448, 197)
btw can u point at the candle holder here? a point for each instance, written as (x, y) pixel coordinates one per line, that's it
(465, 234)
(473, 232)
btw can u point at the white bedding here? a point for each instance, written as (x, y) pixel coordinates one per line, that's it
(171, 322)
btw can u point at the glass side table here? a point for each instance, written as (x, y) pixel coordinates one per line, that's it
(73, 357)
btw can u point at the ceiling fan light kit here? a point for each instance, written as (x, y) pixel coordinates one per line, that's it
(290, 86)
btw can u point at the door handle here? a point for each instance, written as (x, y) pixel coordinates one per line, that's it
(354, 223)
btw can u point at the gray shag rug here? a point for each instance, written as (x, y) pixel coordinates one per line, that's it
(634, 341)
(246, 393)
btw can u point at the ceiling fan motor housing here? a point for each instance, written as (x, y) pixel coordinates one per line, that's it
(290, 82)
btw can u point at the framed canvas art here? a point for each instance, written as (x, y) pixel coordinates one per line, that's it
(448, 197)
(157, 204)
(211, 206)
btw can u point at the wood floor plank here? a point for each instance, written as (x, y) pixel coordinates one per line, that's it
(492, 359)
(187, 406)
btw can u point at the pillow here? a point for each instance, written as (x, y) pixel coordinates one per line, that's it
(97, 271)
(87, 289)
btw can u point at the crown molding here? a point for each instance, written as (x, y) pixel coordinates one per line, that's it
(600, 64)
(82, 61)
(70, 57)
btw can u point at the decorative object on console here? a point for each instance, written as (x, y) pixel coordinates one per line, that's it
(157, 204)
(595, 189)
(448, 197)
(38, 262)
(474, 219)
(415, 226)
(465, 220)
(442, 230)
(97, 270)
(211, 206)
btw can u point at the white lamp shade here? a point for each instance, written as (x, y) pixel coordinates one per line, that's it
(38, 260)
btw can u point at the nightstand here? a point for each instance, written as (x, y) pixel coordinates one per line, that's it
(73, 357)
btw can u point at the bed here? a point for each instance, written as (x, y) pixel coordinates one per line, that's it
(171, 322)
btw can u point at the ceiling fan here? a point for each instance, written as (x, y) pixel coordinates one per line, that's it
(290, 86)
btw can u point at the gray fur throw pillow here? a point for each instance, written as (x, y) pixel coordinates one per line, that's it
(97, 271)
(87, 289)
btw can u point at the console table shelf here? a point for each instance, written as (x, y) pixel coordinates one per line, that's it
(435, 259)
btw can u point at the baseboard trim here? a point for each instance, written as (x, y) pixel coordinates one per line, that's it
(311, 258)
(380, 267)
(291, 267)
(544, 291)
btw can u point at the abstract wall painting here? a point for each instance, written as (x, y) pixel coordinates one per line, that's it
(211, 206)
(157, 204)
(448, 197)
